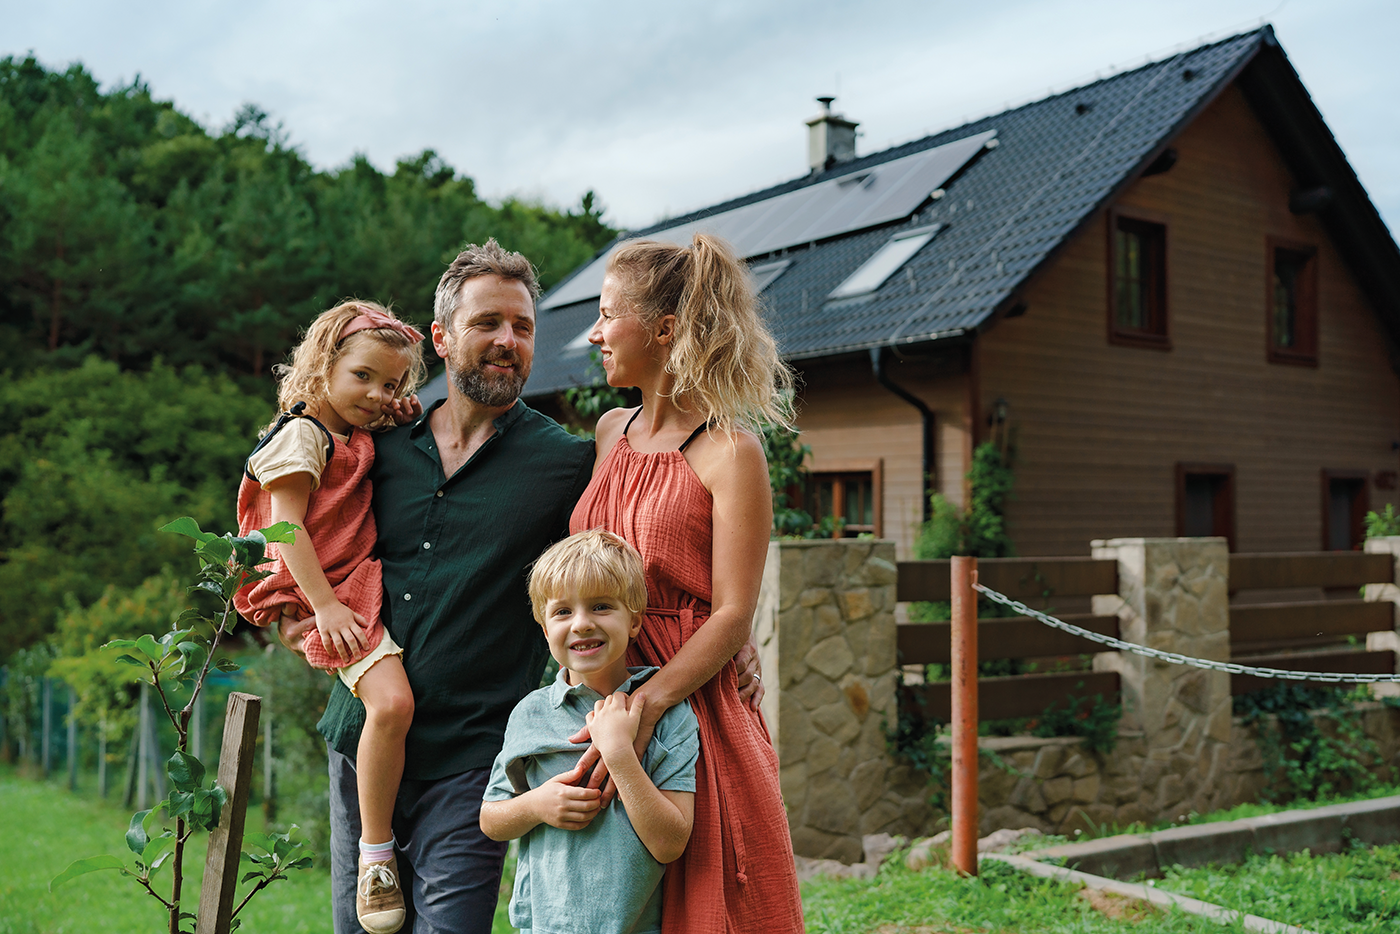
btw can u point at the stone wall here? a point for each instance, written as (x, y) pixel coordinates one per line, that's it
(1057, 786)
(826, 632)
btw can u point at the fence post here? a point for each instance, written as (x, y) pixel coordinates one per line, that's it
(964, 697)
(226, 841)
(46, 724)
(1389, 591)
(1173, 595)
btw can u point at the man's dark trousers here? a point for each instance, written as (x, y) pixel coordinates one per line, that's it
(451, 871)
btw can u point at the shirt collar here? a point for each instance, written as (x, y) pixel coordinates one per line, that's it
(502, 422)
(561, 689)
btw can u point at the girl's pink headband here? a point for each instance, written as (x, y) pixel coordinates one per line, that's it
(369, 320)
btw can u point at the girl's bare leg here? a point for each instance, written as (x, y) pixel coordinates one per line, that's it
(379, 761)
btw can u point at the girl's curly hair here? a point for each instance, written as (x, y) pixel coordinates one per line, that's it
(307, 377)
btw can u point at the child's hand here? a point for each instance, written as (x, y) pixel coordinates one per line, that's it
(560, 803)
(615, 724)
(342, 630)
(404, 410)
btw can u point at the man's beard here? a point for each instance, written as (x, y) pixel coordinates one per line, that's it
(489, 389)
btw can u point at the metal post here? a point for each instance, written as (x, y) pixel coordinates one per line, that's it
(269, 776)
(143, 747)
(46, 725)
(72, 741)
(964, 697)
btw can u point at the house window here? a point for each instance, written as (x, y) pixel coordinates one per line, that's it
(1292, 303)
(1345, 499)
(1205, 501)
(849, 492)
(1137, 295)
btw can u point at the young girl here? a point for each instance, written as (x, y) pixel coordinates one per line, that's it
(353, 371)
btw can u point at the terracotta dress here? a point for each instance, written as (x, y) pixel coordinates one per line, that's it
(737, 873)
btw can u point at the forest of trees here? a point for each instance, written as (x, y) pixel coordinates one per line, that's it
(152, 271)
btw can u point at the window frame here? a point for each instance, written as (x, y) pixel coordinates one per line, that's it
(1185, 468)
(874, 467)
(1159, 336)
(1305, 322)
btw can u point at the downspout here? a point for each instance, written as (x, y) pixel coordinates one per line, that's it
(926, 414)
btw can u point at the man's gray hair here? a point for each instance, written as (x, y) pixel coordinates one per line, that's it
(488, 259)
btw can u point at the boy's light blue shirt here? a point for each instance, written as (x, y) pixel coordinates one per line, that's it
(600, 879)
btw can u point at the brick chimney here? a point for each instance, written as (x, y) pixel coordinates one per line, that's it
(831, 138)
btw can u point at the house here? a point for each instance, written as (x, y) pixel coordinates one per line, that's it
(1168, 286)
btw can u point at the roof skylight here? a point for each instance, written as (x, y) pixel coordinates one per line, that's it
(886, 262)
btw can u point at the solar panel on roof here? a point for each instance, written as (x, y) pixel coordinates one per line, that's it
(875, 195)
(764, 273)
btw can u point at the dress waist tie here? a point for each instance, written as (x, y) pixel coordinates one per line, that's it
(729, 818)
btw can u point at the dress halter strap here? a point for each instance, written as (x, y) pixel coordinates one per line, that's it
(684, 444)
(699, 429)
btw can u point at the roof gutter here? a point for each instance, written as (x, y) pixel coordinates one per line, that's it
(926, 415)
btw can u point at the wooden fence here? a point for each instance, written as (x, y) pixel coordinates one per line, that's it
(1299, 634)
(1019, 637)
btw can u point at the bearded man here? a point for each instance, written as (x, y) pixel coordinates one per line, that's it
(465, 498)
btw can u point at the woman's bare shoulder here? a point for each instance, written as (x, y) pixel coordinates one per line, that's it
(730, 457)
(609, 429)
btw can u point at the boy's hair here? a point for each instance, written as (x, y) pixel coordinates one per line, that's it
(307, 377)
(595, 563)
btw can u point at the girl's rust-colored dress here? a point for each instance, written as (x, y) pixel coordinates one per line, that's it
(737, 874)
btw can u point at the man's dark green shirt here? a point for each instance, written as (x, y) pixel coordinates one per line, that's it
(455, 552)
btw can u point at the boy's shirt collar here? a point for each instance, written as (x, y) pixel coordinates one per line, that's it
(560, 690)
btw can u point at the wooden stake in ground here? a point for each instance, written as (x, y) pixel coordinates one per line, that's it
(964, 697)
(226, 842)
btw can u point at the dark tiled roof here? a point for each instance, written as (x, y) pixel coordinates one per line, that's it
(1057, 161)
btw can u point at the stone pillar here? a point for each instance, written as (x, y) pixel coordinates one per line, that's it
(1173, 594)
(1383, 641)
(826, 633)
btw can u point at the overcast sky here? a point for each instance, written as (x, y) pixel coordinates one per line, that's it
(665, 107)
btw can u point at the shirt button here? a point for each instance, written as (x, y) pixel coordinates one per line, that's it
(427, 545)
(439, 492)
(408, 596)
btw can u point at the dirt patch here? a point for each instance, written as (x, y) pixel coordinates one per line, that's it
(1117, 907)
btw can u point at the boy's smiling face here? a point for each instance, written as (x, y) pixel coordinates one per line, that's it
(589, 637)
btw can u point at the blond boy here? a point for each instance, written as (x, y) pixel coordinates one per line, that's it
(582, 868)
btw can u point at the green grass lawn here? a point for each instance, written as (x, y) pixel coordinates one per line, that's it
(1000, 901)
(45, 828)
(1357, 892)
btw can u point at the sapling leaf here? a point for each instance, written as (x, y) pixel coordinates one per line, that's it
(211, 587)
(280, 532)
(185, 771)
(121, 644)
(188, 527)
(248, 876)
(235, 924)
(191, 656)
(155, 848)
(301, 863)
(136, 838)
(161, 860)
(132, 660)
(227, 664)
(180, 803)
(216, 551)
(80, 867)
(250, 548)
(262, 841)
(149, 647)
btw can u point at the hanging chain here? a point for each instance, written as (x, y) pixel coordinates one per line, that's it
(1175, 658)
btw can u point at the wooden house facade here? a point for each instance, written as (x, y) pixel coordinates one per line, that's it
(1167, 288)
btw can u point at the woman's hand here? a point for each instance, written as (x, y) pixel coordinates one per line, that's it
(748, 670)
(290, 632)
(341, 629)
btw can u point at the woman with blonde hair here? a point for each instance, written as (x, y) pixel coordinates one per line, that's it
(683, 478)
